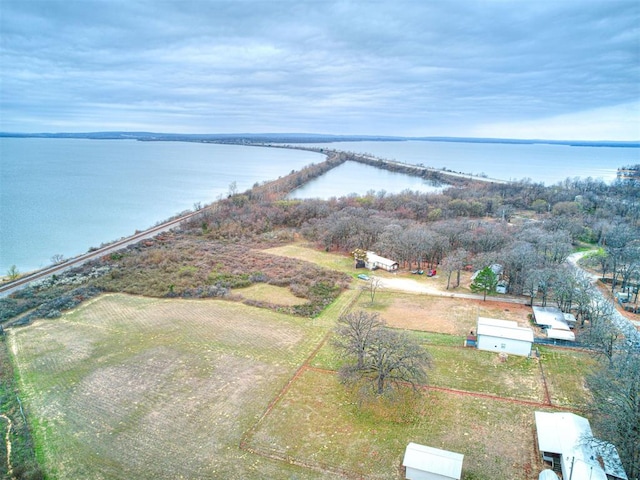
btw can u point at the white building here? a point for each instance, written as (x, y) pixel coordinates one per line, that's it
(556, 324)
(550, 317)
(373, 261)
(504, 336)
(564, 442)
(428, 463)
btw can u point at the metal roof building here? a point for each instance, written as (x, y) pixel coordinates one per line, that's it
(428, 463)
(550, 317)
(504, 336)
(373, 261)
(563, 440)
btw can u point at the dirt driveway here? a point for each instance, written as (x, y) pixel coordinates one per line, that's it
(410, 285)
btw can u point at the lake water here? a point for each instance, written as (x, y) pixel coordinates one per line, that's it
(548, 164)
(63, 196)
(358, 178)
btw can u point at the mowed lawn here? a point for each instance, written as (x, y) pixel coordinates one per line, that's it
(127, 387)
(333, 432)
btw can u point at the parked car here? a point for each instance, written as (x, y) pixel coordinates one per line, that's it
(362, 276)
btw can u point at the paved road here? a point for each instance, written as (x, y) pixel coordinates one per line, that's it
(626, 326)
(10, 287)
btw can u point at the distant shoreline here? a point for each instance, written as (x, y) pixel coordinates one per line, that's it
(261, 138)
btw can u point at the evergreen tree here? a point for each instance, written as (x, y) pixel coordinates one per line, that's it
(485, 282)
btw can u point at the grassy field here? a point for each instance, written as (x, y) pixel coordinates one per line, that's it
(332, 261)
(263, 292)
(332, 432)
(129, 387)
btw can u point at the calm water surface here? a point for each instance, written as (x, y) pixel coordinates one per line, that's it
(357, 178)
(548, 164)
(64, 196)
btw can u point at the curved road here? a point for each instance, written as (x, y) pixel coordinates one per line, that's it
(626, 326)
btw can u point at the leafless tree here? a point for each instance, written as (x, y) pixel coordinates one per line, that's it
(395, 357)
(354, 334)
(601, 335)
(374, 285)
(454, 262)
(615, 388)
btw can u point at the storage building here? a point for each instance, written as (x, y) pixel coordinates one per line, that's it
(428, 463)
(550, 317)
(504, 336)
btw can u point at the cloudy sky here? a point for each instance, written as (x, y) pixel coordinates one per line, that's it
(554, 69)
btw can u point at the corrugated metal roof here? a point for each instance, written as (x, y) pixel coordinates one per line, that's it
(433, 460)
(568, 434)
(504, 329)
(374, 258)
(561, 334)
(551, 317)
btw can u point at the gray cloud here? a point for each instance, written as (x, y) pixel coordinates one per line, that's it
(367, 67)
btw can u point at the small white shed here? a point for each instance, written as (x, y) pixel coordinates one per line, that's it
(557, 334)
(504, 336)
(428, 463)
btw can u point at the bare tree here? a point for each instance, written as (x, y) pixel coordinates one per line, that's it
(615, 391)
(394, 357)
(454, 262)
(13, 272)
(354, 334)
(601, 335)
(57, 258)
(374, 284)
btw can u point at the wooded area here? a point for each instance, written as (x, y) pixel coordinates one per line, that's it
(528, 228)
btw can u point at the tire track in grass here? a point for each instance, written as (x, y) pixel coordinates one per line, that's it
(7, 440)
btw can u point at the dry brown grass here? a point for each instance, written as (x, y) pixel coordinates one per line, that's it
(453, 316)
(263, 292)
(129, 387)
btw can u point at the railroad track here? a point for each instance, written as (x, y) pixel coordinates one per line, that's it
(11, 286)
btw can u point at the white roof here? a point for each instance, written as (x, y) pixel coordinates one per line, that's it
(561, 334)
(551, 317)
(433, 460)
(493, 327)
(374, 258)
(567, 434)
(547, 475)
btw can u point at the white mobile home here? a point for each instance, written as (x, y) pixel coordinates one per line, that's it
(504, 336)
(428, 463)
(373, 261)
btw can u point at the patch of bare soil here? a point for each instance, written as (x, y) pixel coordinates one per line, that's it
(455, 316)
